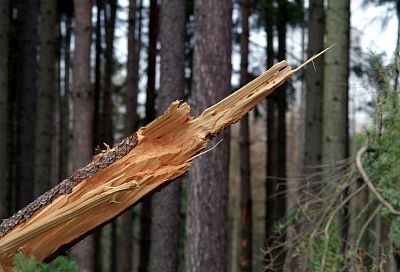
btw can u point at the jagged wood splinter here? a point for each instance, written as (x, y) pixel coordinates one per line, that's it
(118, 178)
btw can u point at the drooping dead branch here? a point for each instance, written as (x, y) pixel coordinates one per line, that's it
(119, 177)
(368, 182)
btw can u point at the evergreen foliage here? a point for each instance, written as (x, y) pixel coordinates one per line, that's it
(24, 263)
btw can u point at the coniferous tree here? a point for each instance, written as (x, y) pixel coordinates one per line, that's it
(276, 142)
(206, 221)
(335, 143)
(130, 123)
(82, 95)
(166, 203)
(245, 241)
(47, 84)
(146, 213)
(314, 89)
(66, 12)
(24, 86)
(4, 108)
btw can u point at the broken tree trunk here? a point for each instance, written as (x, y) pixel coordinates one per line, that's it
(119, 177)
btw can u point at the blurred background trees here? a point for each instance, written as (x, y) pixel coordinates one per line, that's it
(281, 191)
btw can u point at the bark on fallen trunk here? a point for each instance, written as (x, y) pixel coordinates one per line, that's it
(119, 177)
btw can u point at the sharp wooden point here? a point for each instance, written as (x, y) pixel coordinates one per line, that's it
(313, 58)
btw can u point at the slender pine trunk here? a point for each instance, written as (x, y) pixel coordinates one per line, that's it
(146, 213)
(166, 203)
(47, 65)
(4, 108)
(207, 214)
(82, 95)
(245, 241)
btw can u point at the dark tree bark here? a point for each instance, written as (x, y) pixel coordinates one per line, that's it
(106, 124)
(110, 10)
(82, 97)
(26, 89)
(206, 229)
(166, 203)
(314, 89)
(146, 213)
(245, 241)
(97, 76)
(132, 70)
(131, 125)
(64, 101)
(4, 106)
(47, 64)
(276, 151)
(97, 120)
(335, 140)
(151, 61)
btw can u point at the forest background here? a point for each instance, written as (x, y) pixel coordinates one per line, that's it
(284, 189)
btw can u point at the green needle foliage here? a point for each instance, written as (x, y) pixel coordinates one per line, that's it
(24, 263)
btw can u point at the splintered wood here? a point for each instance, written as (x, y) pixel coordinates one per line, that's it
(120, 177)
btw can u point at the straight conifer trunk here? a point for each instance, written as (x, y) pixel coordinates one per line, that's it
(25, 84)
(314, 90)
(131, 125)
(83, 102)
(335, 105)
(146, 213)
(276, 155)
(47, 85)
(166, 203)
(64, 102)
(245, 241)
(4, 131)
(206, 229)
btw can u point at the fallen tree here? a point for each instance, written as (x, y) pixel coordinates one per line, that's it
(119, 177)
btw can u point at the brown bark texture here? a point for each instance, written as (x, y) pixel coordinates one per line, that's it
(4, 107)
(245, 241)
(166, 202)
(118, 178)
(276, 156)
(146, 212)
(314, 90)
(206, 230)
(130, 121)
(45, 95)
(25, 84)
(82, 99)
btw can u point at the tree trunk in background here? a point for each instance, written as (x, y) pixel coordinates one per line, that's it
(146, 213)
(132, 71)
(151, 61)
(4, 132)
(314, 91)
(245, 241)
(270, 62)
(131, 125)
(81, 152)
(97, 120)
(166, 202)
(25, 84)
(335, 105)
(64, 102)
(110, 10)
(276, 154)
(47, 85)
(97, 77)
(206, 221)
(106, 121)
